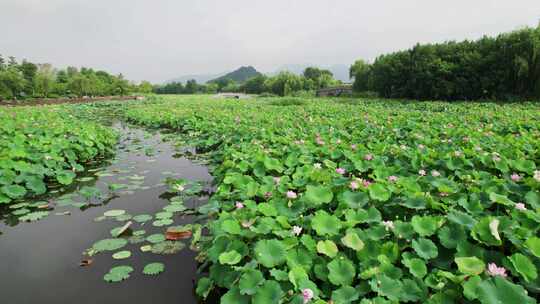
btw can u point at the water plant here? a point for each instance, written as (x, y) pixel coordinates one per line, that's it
(366, 201)
(34, 158)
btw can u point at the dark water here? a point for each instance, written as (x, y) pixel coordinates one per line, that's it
(39, 261)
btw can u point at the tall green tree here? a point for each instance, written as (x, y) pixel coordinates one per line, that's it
(506, 67)
(44, 80)
(11, 83)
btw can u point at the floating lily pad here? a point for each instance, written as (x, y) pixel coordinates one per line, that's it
(19, 205)
(85, 179)
(109, 245)
(118, 274)
(139, 232)
(146, 248)
(174, 208)
(153, 268)
(120, 255)
(34, 216)
(141, 218)
(167, 247)
(155, 238)
(20, 211)
(38, 204)
(136, 239)
(104, 174)
(161, 223)
(163, 215)
(116, 187)
(114, 212)
(123, 217)
(115, 232)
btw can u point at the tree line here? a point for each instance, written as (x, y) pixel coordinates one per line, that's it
(506, 67)
(23, 80)
(282, 84)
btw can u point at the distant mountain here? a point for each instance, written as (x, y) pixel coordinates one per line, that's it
(240, 75)
(340, 71)
(199, 78)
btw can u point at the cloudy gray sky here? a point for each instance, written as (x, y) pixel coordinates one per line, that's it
(163, 39)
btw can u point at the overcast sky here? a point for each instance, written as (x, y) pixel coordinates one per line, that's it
(162, 39)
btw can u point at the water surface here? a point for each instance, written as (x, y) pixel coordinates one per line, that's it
(39, 261)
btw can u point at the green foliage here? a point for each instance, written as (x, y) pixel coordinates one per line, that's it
(120, 255)
(26, 80)
(109, 245)
(240, 75)
(270, 253)
(425, 201)
(33, 216)
(117, 274)
(470, 265)
(327, 248)
(114, 212)
(341, 272)
(33, 158)
(325, 224)
(153, 268)
(167, 247)
(506, 67)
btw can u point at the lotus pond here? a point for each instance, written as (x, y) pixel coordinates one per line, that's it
(312, 201)
(66, 245)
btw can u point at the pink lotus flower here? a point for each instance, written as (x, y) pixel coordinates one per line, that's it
(493, 270)
(392, 178)
(435, 173)
(353, 147)
(496, 158)
(366, 183)
(520, 207)
(268, 195)
(239, 205)
(291, 195)
(368, 157)
(340, 171)
(354, 185)
(422, 172)
(296, 230)
(307, 294)
(319, 141)
(515, 177)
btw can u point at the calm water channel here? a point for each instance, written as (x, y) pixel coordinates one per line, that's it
(39, 261)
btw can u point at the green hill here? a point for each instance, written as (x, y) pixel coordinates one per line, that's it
(240, 75)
